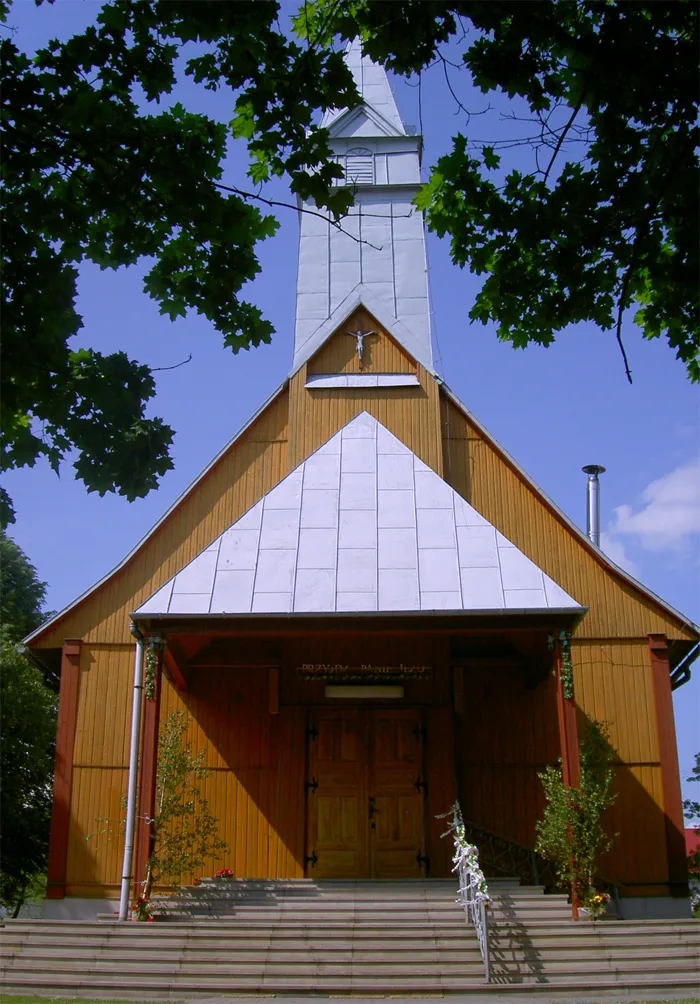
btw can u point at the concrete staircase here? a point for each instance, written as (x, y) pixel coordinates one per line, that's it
(338, 937)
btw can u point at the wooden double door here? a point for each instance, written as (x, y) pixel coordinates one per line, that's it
(365, 794)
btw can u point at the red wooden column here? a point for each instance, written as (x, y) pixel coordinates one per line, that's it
(148, 763)
(668, 757)
(63, 769)
(568, 729)
(568, 735)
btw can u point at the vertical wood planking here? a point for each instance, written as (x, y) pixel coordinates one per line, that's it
(256, 790)
(251, 466)
(63, 769)
(668, 757)
(380, 354)
(503, 740)
(476, 469)
(410, 413)
(150, 721)
(439, 753)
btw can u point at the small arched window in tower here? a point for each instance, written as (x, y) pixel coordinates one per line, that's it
(359, 167)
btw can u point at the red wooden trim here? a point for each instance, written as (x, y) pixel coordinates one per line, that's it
(568, 734)
(63, 769)
(173, 669)
(147, 782)
(568, 744)
(668, 758)
(572, 739)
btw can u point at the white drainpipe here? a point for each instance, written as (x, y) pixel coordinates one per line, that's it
(133, 775)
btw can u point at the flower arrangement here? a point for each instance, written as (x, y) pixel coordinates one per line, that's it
(224, 873)
(466, 860)
(196, 881)
(596, 903)
(142, 910)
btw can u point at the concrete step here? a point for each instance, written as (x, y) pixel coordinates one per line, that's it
(309, 937)
(526, 983)
(305, 963)
(384, 942)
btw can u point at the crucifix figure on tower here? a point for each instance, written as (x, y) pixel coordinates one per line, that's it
(359, 337)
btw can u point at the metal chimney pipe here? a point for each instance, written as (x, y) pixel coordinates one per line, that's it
(593, 509)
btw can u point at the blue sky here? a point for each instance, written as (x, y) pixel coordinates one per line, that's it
(553, 409)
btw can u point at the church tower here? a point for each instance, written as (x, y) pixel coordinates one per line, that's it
(376, 257)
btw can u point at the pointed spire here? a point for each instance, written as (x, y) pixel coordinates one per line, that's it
(377, 258)
(372, 83)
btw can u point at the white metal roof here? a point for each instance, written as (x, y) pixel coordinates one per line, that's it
(361, 525)
(372, 83)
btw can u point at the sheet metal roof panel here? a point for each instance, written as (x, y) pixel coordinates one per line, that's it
(329, 539)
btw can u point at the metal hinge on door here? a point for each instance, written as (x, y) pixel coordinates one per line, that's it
(312, 732)
(421, 859)
(312, 860)
(311, 785)
(419, 732)
(421, 786)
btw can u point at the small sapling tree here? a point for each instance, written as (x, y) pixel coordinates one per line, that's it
(185, 832)
(691, 810)
(571, 832)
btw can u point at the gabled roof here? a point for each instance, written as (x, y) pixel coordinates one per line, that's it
(372, 83)
(576, 531)
(361, 525)
(363, 121)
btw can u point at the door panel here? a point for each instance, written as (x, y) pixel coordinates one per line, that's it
(337, 805)
(365, 814)
(397, 837)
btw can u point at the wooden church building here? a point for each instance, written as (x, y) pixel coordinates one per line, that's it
(366, 609)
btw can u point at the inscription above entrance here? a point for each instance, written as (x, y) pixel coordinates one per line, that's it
(363, 674)
(365, 794)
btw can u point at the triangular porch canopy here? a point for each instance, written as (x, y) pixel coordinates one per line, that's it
(362, 525)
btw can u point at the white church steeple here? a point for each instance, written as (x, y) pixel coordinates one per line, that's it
(379, 260)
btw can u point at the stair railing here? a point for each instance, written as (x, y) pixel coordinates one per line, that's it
(473, 892)
(502, 856)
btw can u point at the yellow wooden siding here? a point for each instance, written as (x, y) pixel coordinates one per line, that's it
(411, 413)
(380, 353)
(505, 736)
(103, 717)
(614, 685)
(100, 765)
(510, 733)
(252, 466)
(638, 854)
(95, 838)
(476, 469)
(256, 789)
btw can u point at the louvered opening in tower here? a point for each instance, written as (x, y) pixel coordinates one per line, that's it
(359, 167)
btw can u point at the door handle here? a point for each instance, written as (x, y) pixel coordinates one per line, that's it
(371, 809)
